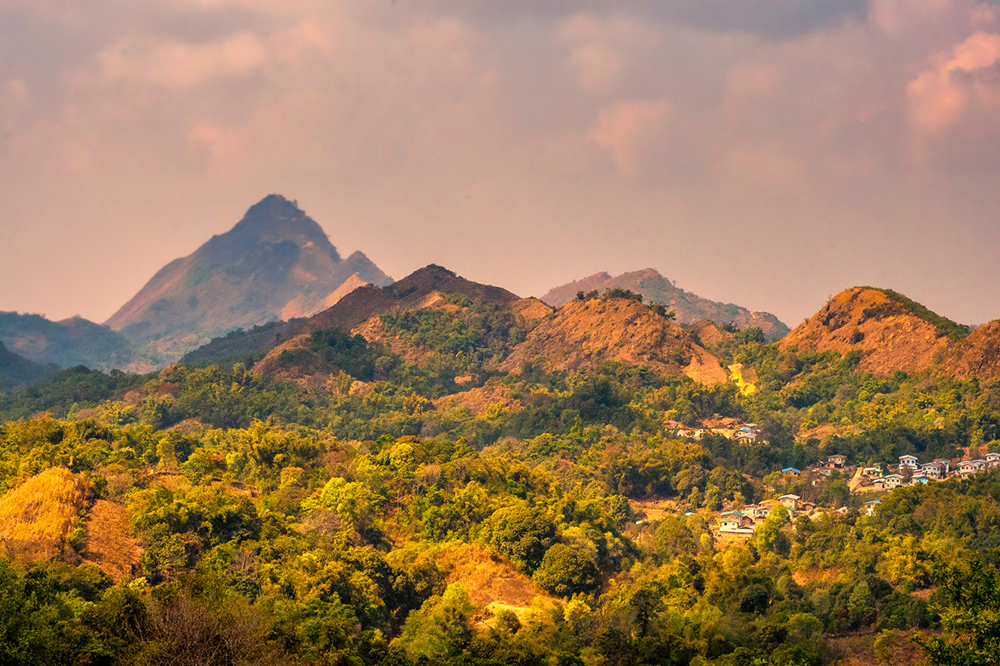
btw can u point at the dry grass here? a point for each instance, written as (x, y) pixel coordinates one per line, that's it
(36, 517)
(858, 650)
(109, 541)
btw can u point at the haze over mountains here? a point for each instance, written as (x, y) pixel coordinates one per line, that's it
(275, 264)
(276, 278)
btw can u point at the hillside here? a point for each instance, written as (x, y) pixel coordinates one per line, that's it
(16, 372)
(977, 356)
(687, 307)
(584, 333)
(452, 316)
(891, 332)
(276, 263)
(70, 342)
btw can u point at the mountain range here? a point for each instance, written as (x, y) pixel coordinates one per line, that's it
(275, 279)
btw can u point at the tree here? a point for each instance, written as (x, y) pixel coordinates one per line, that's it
(442, 626)
(565, 572)
(970, 614)
(522, 533)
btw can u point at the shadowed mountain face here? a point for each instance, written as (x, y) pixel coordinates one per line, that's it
(689, 308)
(276, 263)
(16, 372)
(68, 343)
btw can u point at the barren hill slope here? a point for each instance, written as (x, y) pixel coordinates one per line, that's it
(584, 333)
(688, 307)
(977, 356)
(276, 263)
(890, 331)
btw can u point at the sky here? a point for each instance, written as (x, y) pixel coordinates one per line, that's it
(768, 153)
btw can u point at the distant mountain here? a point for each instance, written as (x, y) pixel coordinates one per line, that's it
(17, 372)
(891, 332)
(689, 308)
(69, 343)
(276, 263)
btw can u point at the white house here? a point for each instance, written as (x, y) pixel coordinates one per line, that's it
(993, 460)
(971, 466)
(790, 502)
(932, 470)
(837, 460)
(907, 462)
(871, 506)
(893, 481)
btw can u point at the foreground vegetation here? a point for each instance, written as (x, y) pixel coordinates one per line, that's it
(216, 515)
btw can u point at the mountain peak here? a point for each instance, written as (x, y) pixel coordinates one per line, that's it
(276, 263)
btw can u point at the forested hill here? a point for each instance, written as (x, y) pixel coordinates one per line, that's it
(466, 477)
(71, 342)
(275, 264)
(687, 307)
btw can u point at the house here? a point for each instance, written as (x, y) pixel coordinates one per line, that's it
(791, 470)
(919, 479)
(790, 502)
(749, 437)
(736, 522)
(837, 460)
(807, 507)
(971, 466)
(757, 510)
(932, 470)
(893, 481)
(871, 506)
(907, 462)
(945, 463)
(993, 460)
(879, 484)
(872, 472)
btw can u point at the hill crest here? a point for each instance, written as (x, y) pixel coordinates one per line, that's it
(688, 308)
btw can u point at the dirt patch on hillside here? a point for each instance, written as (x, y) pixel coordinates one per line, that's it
(708, 333)
(889, 337)
(478, 400)
(487, 578)
(109, 541)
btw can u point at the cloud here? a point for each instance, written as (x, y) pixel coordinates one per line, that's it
(939, 96)
(628, 129)
(150, 61)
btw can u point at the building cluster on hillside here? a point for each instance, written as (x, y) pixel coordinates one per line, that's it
(733, 429)
(911, 472)
(747, 519)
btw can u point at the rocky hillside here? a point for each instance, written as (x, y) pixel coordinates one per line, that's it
(584, 333)
(688, 308)
(16, 372)
(890, 331)
(69, 343)
(276, 263)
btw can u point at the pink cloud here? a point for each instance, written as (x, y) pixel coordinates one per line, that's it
(625, 129)
(939, 96)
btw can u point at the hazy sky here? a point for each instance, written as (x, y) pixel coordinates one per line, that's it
(763, 152)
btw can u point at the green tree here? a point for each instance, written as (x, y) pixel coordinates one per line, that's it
(970, 614)
(564, 572)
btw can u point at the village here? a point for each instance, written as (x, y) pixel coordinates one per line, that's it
(866, 479)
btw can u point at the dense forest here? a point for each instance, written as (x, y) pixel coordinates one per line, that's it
(420, 505)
